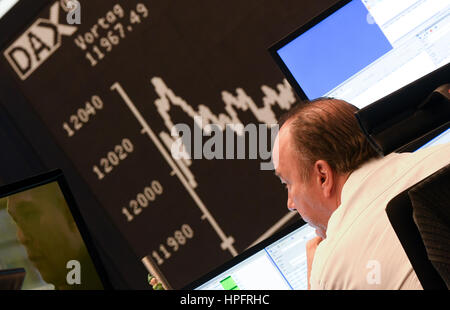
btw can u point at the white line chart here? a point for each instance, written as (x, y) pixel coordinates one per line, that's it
(283, 97)
(227, 242)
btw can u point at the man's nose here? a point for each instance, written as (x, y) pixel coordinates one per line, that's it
(290, 204)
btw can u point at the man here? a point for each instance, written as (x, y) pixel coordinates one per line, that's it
(51, 238)
(341, 187)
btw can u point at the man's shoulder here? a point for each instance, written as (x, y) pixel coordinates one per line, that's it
(431, 157)
(396, 169)
(367, 191)
(359, 228)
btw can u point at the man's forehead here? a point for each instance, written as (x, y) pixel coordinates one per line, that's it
(281, 149)
(284, 139)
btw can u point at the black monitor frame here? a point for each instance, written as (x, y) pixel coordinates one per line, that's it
(57, 176)
(12, 279)
(418, 143)
(246, 254)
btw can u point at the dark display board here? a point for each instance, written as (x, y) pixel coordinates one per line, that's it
(109, 90)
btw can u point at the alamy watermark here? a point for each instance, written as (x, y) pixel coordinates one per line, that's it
(73, 9)
(74, 275)
(373, 277)
(230, 141)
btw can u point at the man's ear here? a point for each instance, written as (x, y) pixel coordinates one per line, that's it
(3, 203)
(324, 176)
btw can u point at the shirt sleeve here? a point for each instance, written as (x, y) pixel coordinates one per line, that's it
(314, 280)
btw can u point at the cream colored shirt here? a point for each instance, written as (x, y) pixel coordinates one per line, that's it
(361, 250)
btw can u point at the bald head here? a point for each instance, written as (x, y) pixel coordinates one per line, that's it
(326, 129)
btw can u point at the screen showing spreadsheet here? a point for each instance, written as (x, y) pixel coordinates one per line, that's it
(279, 266)
(368, 49)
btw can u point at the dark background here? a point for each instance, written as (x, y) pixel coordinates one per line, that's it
(200, 49)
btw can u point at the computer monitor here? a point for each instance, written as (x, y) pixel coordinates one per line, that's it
(42, 231)
(6, 5)
(363, 50)
(440, 139)
(278, 263)
(12, 279)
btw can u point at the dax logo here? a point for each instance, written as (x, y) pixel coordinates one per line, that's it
(38, 43)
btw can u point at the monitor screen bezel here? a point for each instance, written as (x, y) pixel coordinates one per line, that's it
(418, 143)
(273, 50)
(57, 176)
(12, 279)
(246, 254)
